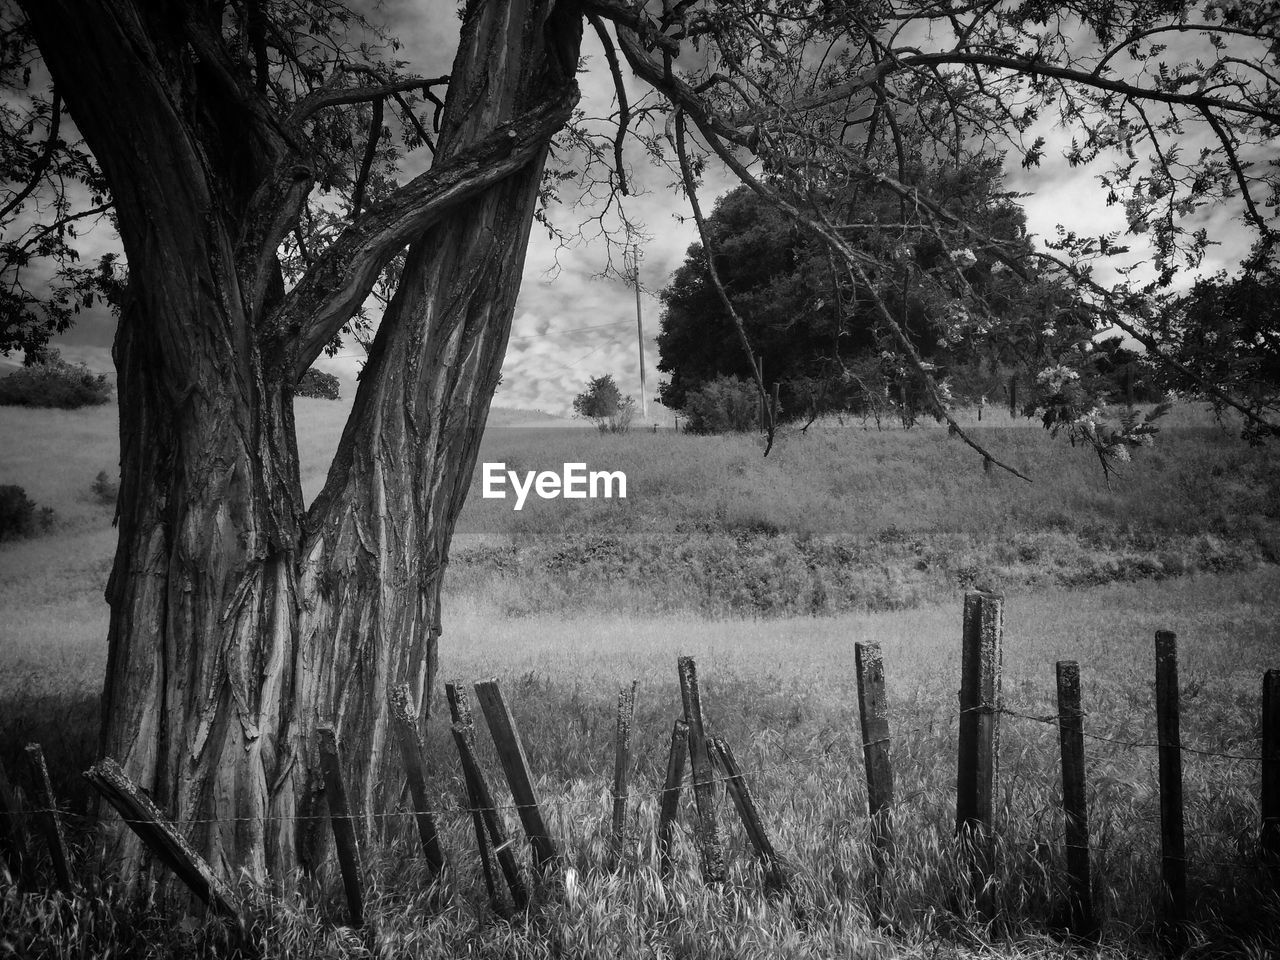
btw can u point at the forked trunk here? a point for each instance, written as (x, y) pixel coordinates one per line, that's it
(240, 621)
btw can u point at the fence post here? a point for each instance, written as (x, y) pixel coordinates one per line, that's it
(977, 769)
(622, 765)
(342, 822)
(1172, 843)
(1270, 799)
(13, 838)
(405, 719)
(490, 831)
(47, 817)
(736, 784)
(1074, 803)
(713, 869)
(162, 837)
(873, 714)
(670, 803)
(515, 764)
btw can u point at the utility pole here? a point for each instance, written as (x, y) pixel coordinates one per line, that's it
(633, 255)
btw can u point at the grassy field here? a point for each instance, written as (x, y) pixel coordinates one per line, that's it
(768, 571)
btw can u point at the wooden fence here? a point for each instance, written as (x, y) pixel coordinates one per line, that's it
(711, 761)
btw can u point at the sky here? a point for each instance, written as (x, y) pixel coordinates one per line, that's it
(571, 323)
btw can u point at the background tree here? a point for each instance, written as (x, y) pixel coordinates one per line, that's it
(1228, 329)
(603, 403)
(240, 617)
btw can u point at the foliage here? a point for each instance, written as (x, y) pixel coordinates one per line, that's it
(54, 382)
(815, 332)
(19, 515)
(603, 403)
(318, 385)
(723, 405)
(1228, 330)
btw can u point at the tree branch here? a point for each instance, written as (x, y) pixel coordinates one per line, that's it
(42, 162)
(340, 280)
(624, 110)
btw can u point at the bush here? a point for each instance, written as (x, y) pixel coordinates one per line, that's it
(603, 403)
(19, 516)
(53, 382)
(724, 405)
(319, 385)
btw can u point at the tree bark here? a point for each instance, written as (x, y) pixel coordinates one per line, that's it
(239, 620)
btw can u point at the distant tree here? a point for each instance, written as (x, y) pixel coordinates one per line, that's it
(817, 332)
(53, 382)
(1229, 329)
(318, 385)
(603, 403)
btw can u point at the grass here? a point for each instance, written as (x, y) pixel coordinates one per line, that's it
(566, 602)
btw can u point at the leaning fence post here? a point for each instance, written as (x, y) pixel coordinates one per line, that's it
(162, 837)
(340, 818)
(47, 817)
(515, 764)
(1172, 842)
(670, 803)
(873, 714)
(490, 832)
(736, 784)
(415, 768)
(1270, 800)
(713, 869)
(1074, 803)
(977, 768)
(13, 838)
(622, 766)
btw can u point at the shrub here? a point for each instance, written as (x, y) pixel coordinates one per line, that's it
(724, 405)
(53, 382)
(603, 403)
(319, 385)
(105, 490)
(19, 516)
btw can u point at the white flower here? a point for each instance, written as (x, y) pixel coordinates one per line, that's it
(1055, 378)
(963, 258)
(1121, 453)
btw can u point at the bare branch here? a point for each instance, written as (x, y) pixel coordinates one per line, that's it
(624, 111)
(366, 162)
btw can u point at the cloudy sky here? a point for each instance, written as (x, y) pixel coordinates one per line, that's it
(571, 323)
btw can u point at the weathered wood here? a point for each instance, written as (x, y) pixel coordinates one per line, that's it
(738, 790)
(977, 765)
(1074, 803)
(1172, 842)
(405, 719)
(670, 802)
(13, 834)
(491, 833)
(709, 844)
(343, 823)
(622, 765)
(169, 846)
(1270, 792)
(515, 764)
(873, 713)
(47, 816)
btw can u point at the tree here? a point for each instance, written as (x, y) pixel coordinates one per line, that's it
(603, 403)
(1229, 329)
(815, 333)
(242, 618)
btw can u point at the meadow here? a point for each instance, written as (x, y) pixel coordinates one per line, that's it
(768, 571)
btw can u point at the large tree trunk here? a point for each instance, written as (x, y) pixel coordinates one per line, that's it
(239, 622)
